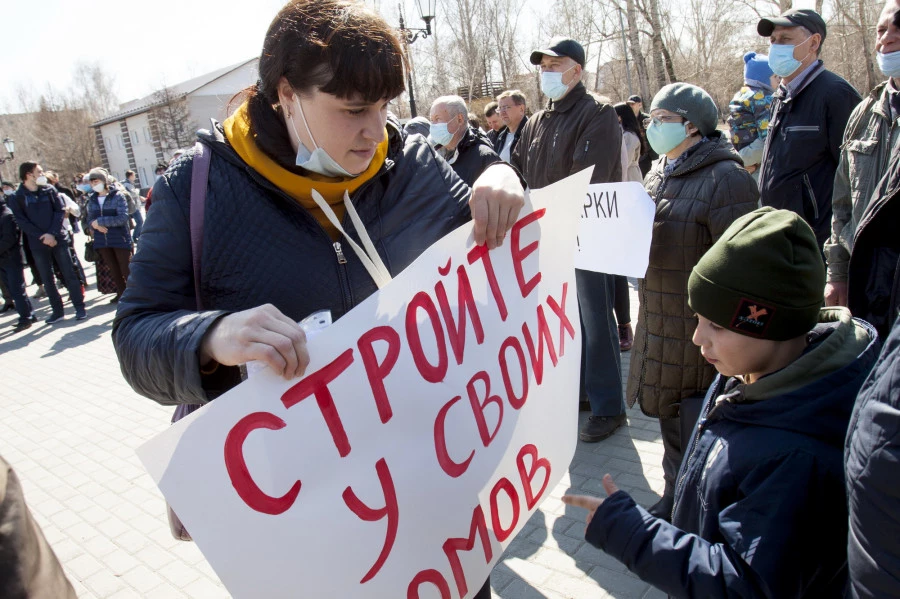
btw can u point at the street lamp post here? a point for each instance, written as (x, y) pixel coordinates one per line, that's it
(426, 13)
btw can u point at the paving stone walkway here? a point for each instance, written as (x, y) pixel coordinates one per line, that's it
(70, 425)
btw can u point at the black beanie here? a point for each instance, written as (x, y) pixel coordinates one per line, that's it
(763, 278)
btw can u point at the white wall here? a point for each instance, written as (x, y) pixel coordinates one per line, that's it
(209, 101)
(115, 149)
(142, 146)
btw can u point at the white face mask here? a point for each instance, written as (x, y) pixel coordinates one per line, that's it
(98, 187)
(8, 191)
(42, 180)
(317, 161)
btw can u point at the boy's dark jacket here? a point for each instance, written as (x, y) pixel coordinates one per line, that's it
(760, 509)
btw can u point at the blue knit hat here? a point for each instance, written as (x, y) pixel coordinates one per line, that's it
(756, 68)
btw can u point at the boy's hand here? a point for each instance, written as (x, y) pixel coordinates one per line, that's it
(591, 503)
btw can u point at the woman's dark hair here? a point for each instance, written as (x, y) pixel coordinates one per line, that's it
(339, 47)
(630, 123)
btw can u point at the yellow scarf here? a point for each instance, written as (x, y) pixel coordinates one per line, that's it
(299, 187)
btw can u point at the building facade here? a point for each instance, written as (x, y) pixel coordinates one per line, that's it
(131, 139)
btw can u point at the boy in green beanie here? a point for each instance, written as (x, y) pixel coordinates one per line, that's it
(760, 508)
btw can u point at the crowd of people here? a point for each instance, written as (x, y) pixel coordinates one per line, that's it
(773, 276)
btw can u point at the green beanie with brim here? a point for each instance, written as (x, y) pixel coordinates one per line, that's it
(763, 278)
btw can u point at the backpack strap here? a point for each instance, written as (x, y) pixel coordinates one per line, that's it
(199, 181)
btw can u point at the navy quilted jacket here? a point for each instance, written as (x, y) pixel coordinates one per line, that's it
(871, 456)
(760, 509)
(113, 216)
(260, 246)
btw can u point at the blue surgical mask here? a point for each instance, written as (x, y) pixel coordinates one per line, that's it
(552, 84)
(317, 161)
(440, 134)
(665, 137)
(85, 187)
(889, 63)
(782, 61)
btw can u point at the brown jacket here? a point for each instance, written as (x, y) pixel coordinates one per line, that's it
(694, 206)
(570, 135)
(28, 567)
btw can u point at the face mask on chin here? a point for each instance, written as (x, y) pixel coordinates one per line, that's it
(318, 161)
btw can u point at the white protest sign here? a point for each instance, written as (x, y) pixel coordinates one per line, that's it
(434, 419)
(615, 229)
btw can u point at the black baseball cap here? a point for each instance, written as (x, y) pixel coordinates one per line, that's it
(635, 99)
(560, 46)
(796, 17)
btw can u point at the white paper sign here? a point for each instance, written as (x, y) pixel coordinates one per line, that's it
(615, 229)
(434, 419)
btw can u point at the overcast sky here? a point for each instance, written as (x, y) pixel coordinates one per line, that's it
(143, 44)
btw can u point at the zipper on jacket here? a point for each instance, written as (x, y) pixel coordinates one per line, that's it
(340, 253)
(704, 416)
(812, 196)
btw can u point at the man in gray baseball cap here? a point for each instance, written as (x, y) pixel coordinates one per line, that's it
(809, 111)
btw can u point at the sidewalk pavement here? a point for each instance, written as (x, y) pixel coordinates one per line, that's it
(70, 425)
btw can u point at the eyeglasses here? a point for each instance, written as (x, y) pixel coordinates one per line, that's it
(502, 108)
(659, 120)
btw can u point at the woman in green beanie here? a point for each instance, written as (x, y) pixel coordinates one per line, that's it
(700, 187)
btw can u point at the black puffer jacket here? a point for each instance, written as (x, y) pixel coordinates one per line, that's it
(260, 246)
(694, 206)
(474, 155)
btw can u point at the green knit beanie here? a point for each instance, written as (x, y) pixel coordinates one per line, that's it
(763, 278)
(691, 102)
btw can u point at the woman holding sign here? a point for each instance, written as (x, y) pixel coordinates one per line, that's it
(307, 172)
(700, 187)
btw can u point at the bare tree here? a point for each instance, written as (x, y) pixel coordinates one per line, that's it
(663, 65)
(173, 121)
(637, 54)
(94, 89)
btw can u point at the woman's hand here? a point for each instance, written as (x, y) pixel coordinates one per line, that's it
(591, 503)
(497, 198)
(263, 334)
(99, 227)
